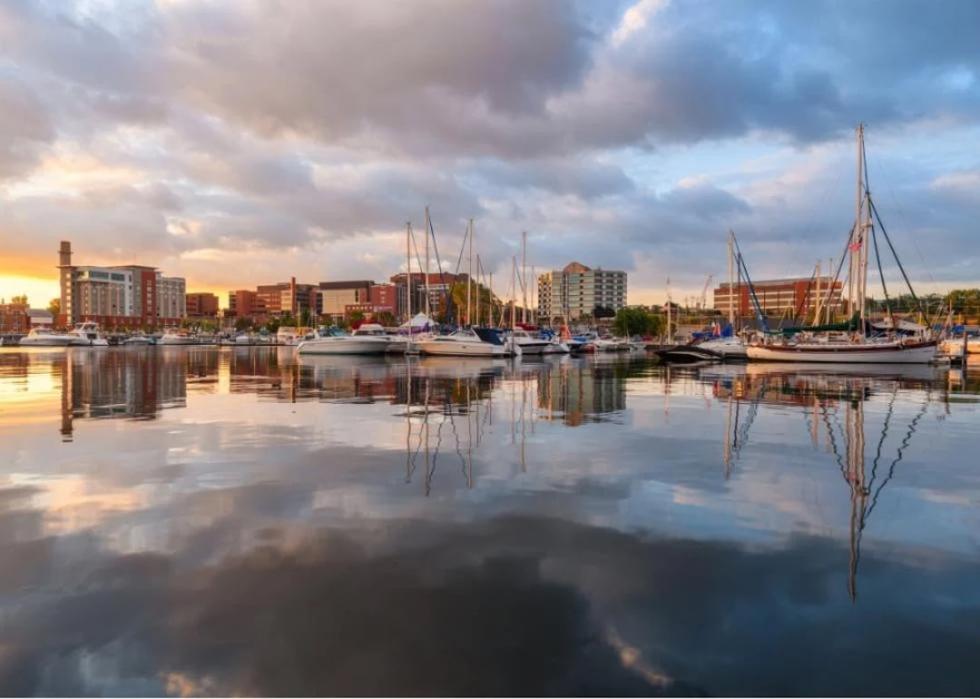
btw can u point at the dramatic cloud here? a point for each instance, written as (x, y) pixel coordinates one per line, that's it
(621, 135)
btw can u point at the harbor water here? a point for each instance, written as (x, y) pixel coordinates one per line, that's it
(242, 521)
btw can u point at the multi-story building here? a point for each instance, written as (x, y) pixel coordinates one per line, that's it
(15, 317)
(286, 298)
(780, 298)
(333, 298)
(439, 284)
(118, 296)
(202, 305)
(243, 303)
(577, 291)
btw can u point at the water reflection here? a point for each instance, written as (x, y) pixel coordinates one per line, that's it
(241, 521)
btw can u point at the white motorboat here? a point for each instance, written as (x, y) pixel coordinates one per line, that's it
(138, 341)
(42, 337)
(467, 343)
(953, 346)
(556, 346)
(727, 347)
(528, 343)
(176, 337)
(87, 335)
(362, 341)
(905, 351)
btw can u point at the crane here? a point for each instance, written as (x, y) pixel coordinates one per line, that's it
(704, 292)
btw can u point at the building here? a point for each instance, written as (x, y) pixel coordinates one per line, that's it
(286, 298)
(15, 316)
(439, 284)
(40, 318)
(577, 291)
(333, 298)
(780, 298)
(202, 305)
(120, 296)
(243, 303)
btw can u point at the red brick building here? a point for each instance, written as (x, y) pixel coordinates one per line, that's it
(780, 298)
(14, 318)
(202, 305)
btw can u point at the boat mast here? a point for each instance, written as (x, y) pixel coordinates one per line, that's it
(861, 227)
(469, 277)
(731, 282)
(670, 332)
(524, 276)
(408, 283)
(428, 309)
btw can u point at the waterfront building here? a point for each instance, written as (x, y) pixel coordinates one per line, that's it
(333, 298)
(780, 298)
(244, 303)
(202, 305)
(15, 316)
(439, 285)
(118, 296)
(576, 291)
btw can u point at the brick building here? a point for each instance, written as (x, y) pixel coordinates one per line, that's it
(119, 296)
(202, 305)
(780, 298)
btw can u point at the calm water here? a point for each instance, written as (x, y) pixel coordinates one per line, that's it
(237, 521)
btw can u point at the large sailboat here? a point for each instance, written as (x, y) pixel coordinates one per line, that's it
(852, 343)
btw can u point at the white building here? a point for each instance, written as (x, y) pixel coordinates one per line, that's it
(576, 291)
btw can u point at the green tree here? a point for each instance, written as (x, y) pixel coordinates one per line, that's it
(637, 321)
(243, 324)
(355, 318)
(54, 307)
(272, 325)
(386, 318)
(603, 312)
(305, 317)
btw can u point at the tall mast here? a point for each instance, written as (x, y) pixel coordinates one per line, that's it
(408, 276)
(479, 278)
(524, 276)
(731, 281)
(428, 309)
(670, 333)
(513, 283)
(469, 279)
(534, 295)
(865, 211)
(817, 297)
(490, 294)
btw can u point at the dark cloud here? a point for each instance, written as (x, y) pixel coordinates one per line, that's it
(514, 605)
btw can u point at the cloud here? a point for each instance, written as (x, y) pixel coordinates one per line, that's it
(285, 128)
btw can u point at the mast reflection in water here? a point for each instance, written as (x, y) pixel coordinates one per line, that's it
(238, 521)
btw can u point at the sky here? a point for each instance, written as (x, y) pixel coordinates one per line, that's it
(239, 143)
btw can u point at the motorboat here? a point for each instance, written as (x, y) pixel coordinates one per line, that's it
(467, 342)
(176, 337)
(529, 343)
(43, 337)
(335, 341)
(87, 335)
(687, 354)
(556, 346)
(292, 335)
(727, 347)
(953, 346)
(139, 340)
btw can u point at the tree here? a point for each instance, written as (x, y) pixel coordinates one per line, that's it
(242, 324)
(54, 307)
(603, 312)
(386, 318)
(19, 300)
(305, 317)
(355, 318)
(273, 325)
(637, 321)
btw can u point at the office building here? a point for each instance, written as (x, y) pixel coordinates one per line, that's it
(202, 305)
(780, 298)
(119, 296)
(576, 291)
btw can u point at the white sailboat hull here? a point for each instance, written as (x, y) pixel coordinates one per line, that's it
(728, 348)
(344, 345)
(869, 353)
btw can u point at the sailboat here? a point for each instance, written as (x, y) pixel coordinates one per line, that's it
(853, 345)
(729, 346)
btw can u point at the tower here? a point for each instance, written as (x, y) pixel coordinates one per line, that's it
(66, 275)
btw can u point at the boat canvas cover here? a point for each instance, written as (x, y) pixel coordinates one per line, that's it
(491, 335)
